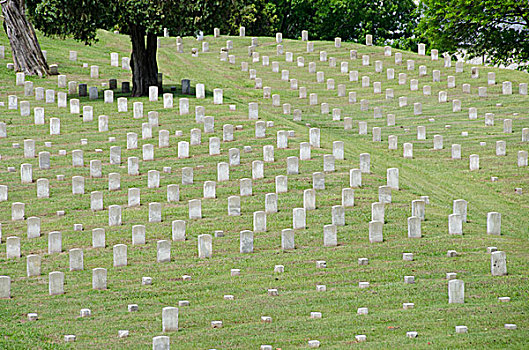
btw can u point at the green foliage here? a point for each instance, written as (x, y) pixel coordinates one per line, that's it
(491, 28)
(387, 21)
(80, 19)
(390, 22)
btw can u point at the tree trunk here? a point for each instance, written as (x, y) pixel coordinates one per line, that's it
(27, 55)
(143, 61)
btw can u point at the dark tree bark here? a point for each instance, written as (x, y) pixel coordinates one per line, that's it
(143, 61)
(27, 55)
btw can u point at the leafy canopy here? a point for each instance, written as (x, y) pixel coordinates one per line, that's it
(390, 21)
(497, 29)
(81, 19)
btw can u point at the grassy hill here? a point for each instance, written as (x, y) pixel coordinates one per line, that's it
(430, 173)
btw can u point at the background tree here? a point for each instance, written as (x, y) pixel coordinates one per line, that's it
(387, 21)
(27, 55)
(143, 20)
(391, 22)
(497, 30)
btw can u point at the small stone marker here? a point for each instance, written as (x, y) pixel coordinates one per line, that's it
(360, 338)
(266, 319)
(451, 275)
(314, 343)
(85, 313)
(123, 333)
(216, 324)
(99, 279)
(461, 329)
(456, 292)
(161, 343)
(69, 338)
(5, 287)
(409, 279)
(494, 223)
(169, 319)
(315, 315)
(498, 263)
(56, 283)
(273, 293)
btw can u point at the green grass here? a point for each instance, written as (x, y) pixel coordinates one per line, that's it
(431, 173)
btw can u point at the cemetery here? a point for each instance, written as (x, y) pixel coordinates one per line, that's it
(268, 193)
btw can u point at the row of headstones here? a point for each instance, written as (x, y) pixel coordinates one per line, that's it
(114, 61)
(421, 130)
(132, 142)
(184, 107)
(195, 139)
(304, 37)
(74, 88)
(153, 180)
(103, 122)
(455, 220)
(49, 96)
(55, 246)
(456, 288)
(498, 259)
(501, 146)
